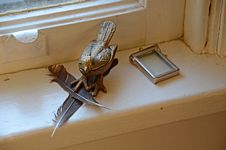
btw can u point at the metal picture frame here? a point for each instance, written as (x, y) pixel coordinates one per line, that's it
(160, 60)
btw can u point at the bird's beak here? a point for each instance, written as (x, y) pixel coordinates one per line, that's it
(85, 69)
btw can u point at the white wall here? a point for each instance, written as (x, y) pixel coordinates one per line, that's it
(165, 20)
(161, 21)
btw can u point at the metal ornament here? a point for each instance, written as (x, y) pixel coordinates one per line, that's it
(96, 61)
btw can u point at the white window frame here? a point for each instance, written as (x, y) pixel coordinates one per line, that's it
(68, 14)
(221, 38)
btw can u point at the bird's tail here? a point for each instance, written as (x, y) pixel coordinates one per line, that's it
(106, 32)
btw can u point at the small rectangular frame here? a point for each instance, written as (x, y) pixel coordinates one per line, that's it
(154, 64)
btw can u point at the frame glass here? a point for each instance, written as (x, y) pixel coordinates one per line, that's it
(154, 64)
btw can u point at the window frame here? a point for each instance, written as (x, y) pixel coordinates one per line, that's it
(68, 14)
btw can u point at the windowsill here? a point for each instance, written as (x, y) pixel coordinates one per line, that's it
(28, 101)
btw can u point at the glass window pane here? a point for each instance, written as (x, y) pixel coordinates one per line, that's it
(26, 5)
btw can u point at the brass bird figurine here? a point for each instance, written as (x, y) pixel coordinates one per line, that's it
(96, 60)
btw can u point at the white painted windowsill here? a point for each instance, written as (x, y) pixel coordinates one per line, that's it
(28, 100)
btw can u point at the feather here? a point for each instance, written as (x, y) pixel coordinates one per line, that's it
(65, 111)
(64, 79)
(70, 105)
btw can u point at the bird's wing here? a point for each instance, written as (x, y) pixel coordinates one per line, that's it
(104, 55)
(102, 58)
(87, 51)
(92, 50)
